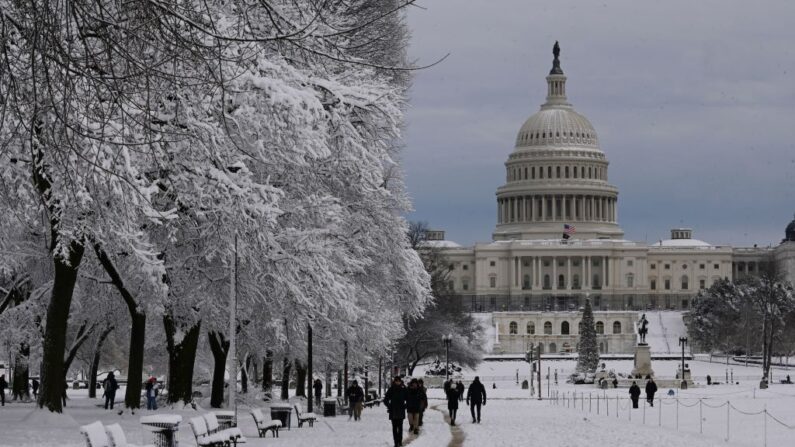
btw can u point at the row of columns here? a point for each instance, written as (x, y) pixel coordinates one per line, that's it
(537, 269)
(553, 208)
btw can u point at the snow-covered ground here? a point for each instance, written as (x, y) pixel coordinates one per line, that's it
(696, 417)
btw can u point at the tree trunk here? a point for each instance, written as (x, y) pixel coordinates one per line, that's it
(52, 365)
(244, 374)
(300, 378)
(328, 380)
(92, 375)
(267, 374)
(181, 358)
(255, 372)
(19, 388)
(135, 356)
(286, 367)
(220, 348)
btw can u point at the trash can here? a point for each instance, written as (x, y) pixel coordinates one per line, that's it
(283, 413)
(329, 407)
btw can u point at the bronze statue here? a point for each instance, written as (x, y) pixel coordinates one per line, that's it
(556, 50)
(643, 328)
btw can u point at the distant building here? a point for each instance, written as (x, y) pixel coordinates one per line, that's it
(558, 240)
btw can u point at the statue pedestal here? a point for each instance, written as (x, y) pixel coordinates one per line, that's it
(642, 361)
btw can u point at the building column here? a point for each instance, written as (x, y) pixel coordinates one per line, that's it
(604, 272)
(516, 264)
(607, 271)
(554, 282)
(592, 214)
(536, 271)
(586, 266)
(568, 272)
(554, 208)
(543, 200)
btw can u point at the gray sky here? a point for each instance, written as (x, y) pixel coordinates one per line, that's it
(693, 102)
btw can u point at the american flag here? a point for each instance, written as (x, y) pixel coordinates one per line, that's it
(569, 229)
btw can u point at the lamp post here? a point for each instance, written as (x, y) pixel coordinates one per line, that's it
(309, 367)
(447, 339)
(683, 343)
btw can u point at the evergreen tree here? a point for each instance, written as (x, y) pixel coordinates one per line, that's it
(588, 350)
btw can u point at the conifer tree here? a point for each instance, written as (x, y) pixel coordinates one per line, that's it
(588, 350)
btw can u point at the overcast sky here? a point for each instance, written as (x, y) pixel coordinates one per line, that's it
(693, 102)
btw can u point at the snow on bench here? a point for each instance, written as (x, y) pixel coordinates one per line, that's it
(203, 437)
(265, 425)
(95, 435)
(117, 437)
(233, 434)
(165, 419)
(304, 417)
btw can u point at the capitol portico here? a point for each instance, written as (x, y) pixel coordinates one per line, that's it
(557, 238)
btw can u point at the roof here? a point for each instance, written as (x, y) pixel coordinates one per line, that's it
(681, 243)
(440, 244)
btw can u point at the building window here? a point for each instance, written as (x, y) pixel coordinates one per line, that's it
(617, 327)
(526, 263)
(716, 266)
(564, 328)
(546, 263)
(684, 266)
(561, 282)
(702, 266)
(513, 328)
(702, 284)
(684, 283)
(465, 284)
(561, 263)
(557, 172)
(653, 284)
(600, 327)
(553, 348)
(531, 328)
(492, 263)
(492, 281)
(541, 348)
(630, 262)
(547, 328)
(526, 282)
(667, 284)
(630, 280)
(653, 266)
(667, 266)
(575, 279)
(465, 267)
(547, 282)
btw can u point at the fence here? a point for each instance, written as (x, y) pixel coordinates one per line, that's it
(621, 408)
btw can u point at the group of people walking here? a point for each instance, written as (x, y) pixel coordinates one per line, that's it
(634, 392)
(401, 400)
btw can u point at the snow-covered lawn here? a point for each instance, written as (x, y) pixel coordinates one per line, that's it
(510, 417)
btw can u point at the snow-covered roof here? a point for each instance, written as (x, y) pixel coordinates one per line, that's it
(440, 244)
(681, 243)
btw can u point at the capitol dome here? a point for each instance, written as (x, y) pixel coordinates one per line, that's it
(556, 176)
(555, 126)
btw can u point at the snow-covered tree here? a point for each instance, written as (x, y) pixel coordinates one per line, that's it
(587, 348)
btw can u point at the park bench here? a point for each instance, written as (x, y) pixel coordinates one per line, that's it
(265, 425)
(341, 407)
(95, 435)
(203, 437)
(371, 399)
(234, 435)
(117, 437)
(302, 417)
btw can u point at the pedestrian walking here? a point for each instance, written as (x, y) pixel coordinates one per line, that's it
(3, 386)
(452, 403)
(709, 379)
(318, 386)
(651, 388)
(413, 404)
(355, 400)
(110, 386)
(476, 396)
(615, 382)
(395, 403)
(634, 394)
(35, 386)
(151, 394)
(460, 389)
(423, 399)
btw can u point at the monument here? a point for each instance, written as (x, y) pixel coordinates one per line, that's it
(642, 365)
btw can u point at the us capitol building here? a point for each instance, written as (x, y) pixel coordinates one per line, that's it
(557, 176)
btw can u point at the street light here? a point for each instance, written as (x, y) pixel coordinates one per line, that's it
(447, 339)
(683, 343)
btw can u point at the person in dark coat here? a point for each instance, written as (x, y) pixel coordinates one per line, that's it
(110, 386)
(318, 386)
(651, 388)
(356, 400)
(452, 403)
(476, 396)
(424, 397)
(709, 379)
(413, 405)
(3, 386)
(35, 386)
(460, 389)
(634, 394)
(615, 382)
(395, 403)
